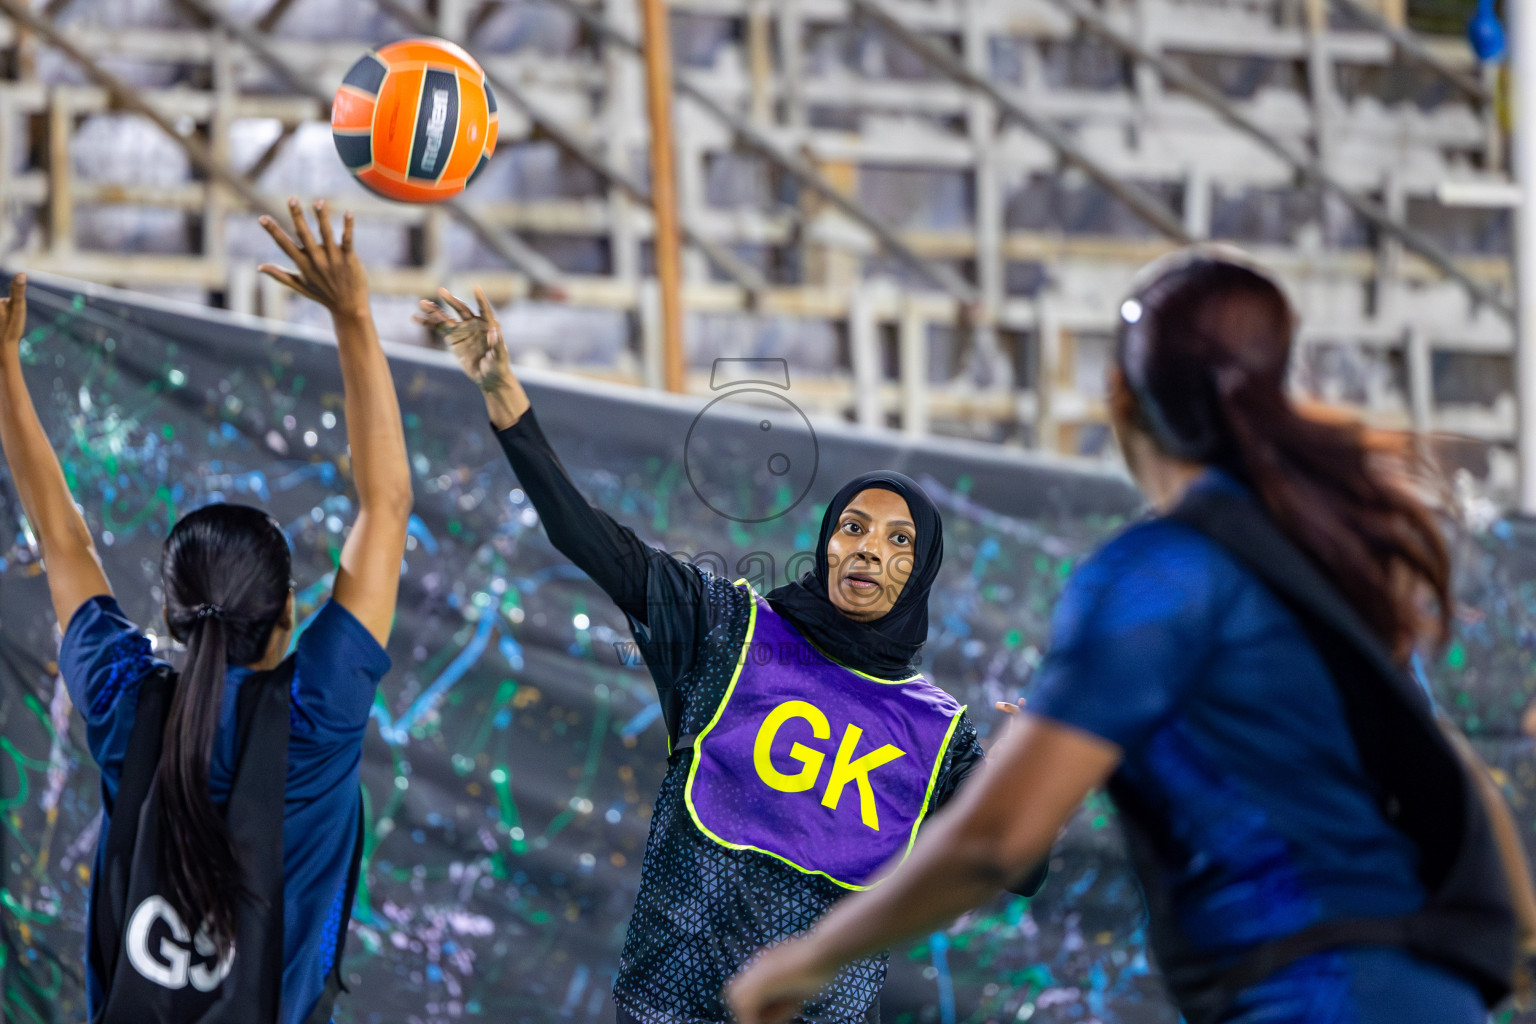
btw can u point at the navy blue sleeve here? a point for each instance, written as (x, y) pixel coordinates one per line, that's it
(337, 668)
(337, 671)
(103, 659)
(1131, 632)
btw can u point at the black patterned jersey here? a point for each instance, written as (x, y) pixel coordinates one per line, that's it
(703, 908)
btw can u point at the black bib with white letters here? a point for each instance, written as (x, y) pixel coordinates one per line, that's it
(155, 967)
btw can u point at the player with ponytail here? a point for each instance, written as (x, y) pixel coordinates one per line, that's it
(1312, 844)
(231, 836)
(1202, 374)
(228, 595)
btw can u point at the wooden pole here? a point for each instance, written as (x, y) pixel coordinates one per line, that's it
(658, 88)
(508, 90)
(518, 254)
(754, 138)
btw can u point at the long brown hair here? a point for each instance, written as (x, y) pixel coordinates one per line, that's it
(1204, 349)
(225, 569)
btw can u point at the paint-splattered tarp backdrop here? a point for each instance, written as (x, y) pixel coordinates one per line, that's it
(517, 742)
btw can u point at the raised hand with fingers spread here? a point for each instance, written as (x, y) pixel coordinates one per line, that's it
(475, 339)
(332, 274)
(324, 270)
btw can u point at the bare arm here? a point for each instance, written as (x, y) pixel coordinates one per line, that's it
(1000, 825)
(69, 556)
(1506, 835)
(368, 581)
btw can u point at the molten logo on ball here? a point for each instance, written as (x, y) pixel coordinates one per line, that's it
(435, 125)
(751, 454)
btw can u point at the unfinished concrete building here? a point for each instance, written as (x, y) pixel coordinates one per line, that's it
(930, 208)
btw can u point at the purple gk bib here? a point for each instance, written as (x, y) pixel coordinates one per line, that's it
(825, 768)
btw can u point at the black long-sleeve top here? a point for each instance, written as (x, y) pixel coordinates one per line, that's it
(702, 908)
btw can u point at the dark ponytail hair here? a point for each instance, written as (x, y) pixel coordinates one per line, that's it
(226, 575)
(1204, 349)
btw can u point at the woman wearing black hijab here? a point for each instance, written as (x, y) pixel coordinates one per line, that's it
(806, 749)
(877, 632)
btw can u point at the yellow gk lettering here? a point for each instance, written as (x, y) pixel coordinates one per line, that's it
(812, 759)
(845, 767)
(846, 770)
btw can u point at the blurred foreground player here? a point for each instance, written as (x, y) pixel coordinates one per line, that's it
(806, 749)
(1311, 846)
(226, 900)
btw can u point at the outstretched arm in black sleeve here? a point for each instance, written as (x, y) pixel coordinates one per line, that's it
(605, 550)
(661, 596)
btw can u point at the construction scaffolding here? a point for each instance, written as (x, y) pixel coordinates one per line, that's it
(931, 209)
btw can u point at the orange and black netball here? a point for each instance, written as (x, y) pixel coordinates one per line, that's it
(415, 120)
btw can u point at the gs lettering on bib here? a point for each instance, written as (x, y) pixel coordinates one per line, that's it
(823, 767)
(162, 949)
